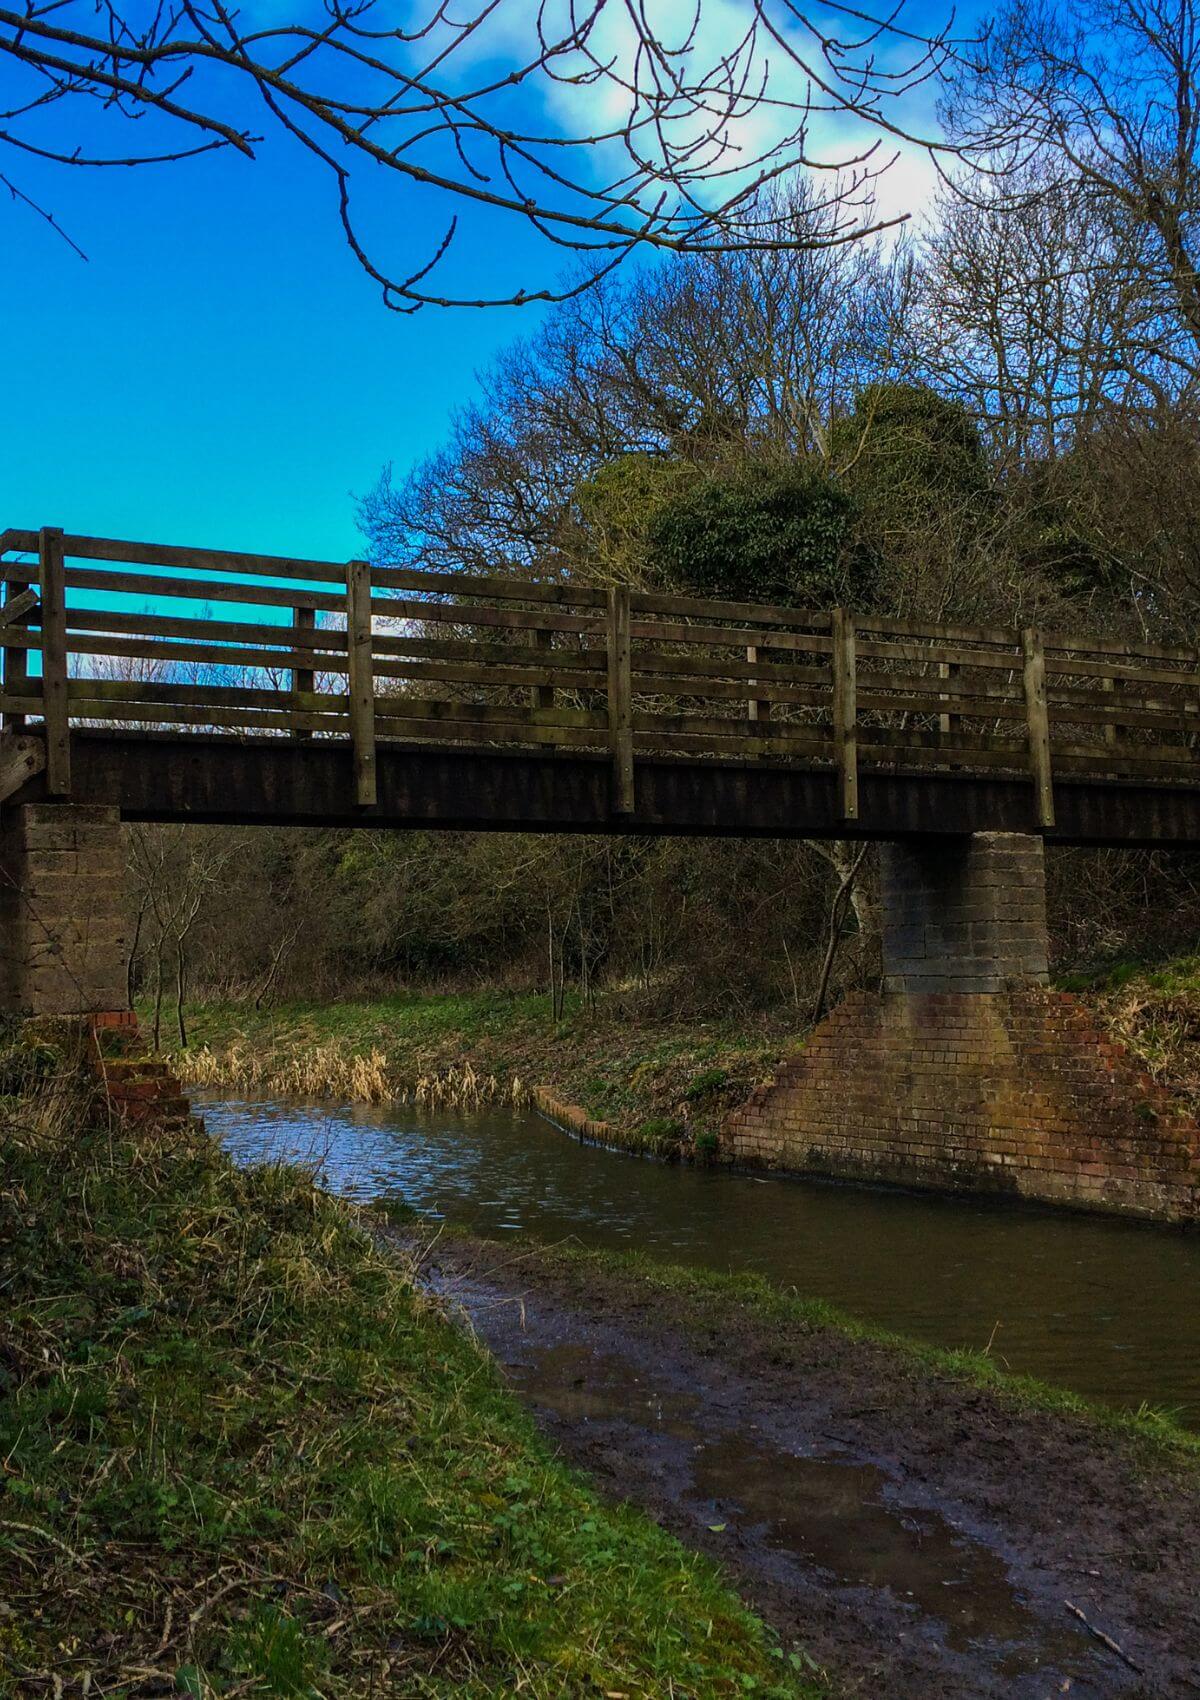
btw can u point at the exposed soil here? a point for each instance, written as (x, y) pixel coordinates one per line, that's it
(917, 1537)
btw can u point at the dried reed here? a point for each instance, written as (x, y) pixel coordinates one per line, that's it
(334, 1070)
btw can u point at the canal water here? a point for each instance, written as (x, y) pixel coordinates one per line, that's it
(1109, 1308)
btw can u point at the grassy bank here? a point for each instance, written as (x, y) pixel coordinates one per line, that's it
(243, 1456)
(702, 1298)
(1154, 1008)
(663, 1086)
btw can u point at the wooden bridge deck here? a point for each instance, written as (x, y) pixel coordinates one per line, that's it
(190, 683)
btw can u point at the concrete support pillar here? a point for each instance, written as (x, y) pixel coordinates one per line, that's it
(964, 914)
(64, 932)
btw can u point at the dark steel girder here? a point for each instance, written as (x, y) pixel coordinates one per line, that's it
(283, 782)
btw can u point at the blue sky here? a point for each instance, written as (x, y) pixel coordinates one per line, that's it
(220, 371)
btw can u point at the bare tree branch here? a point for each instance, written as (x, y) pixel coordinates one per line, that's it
(608, 126)
(1105, 96)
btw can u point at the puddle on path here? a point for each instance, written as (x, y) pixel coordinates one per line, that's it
(837, 1516)
(575, 1382)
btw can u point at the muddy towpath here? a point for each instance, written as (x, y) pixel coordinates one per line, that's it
(915, 1535)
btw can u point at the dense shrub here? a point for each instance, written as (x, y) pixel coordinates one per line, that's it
(904, 446)
(766, 532)
(616, 507)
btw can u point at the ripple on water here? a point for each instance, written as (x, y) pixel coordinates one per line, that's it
(1107, 1307)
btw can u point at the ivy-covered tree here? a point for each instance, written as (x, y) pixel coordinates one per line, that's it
(614, 511)
(905, 446)
(915, 465)
(762, 532)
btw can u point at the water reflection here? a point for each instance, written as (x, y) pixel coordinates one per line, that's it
(844, 1517)
(1107, 1307)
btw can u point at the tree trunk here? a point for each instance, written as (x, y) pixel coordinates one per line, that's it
(842, 898)
(131, 964)
(179, 978)
(158, 996)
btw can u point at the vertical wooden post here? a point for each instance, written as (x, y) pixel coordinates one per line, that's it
(15, 661)
(55, 706)
(304, 679)
(1038, 718)
(845, 713)
(757, 708)
(948, 722)
(362, 680)
(620, 699)
(541, 696)
(1109, 687)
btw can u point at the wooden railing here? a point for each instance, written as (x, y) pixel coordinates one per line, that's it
(126, 635)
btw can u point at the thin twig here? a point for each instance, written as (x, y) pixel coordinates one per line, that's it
(1104, 1640)
(45, 1535)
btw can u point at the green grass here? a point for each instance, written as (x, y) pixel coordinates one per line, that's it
(413, 1019)
(1154, 1009)
(1178, 974)
(707, 1296)
(242, 1455)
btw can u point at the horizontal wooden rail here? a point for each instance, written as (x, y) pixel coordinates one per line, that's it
(193, 563)
(109, 632)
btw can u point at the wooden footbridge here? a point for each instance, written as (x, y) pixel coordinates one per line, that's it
(198, 684)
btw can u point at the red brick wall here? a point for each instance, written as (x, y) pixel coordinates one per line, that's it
(1010, 1092)
(139, 1087)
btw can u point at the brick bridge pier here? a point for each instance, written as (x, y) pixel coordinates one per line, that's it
(64, 926)
(966, 1073)
(64, 948)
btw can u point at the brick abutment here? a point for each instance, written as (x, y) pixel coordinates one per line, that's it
(966, 1073)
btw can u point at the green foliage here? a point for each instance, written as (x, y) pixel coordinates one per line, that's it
(708, 1080)
(1153, 1008)
(1179, 974)
(765, 532)
(241, 1449)
(617, 507)
(660, 1131)
(275, 1648)
(905, 447)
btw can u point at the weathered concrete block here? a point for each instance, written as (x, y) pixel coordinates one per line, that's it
(64, 932)
(964, 914)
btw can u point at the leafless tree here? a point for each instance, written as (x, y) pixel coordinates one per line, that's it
(1134, 487)
(606, 125)
(770, 344)
(1103, 95)
(174, 871)
(1033, 306)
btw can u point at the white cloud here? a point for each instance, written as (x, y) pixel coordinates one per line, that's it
(595, 105)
